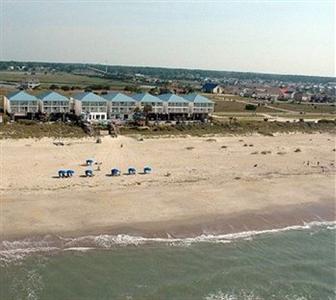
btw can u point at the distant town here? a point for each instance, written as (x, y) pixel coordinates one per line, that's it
(162, 80)
(101, 93)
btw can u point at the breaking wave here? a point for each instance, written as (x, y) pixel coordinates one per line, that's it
(245, 295)
(16, 251)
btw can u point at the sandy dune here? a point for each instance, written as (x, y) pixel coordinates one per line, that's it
(195, 181)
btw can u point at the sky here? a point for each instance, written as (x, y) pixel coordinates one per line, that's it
(270, 36)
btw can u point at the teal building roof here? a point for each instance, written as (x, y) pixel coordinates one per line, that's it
(172, 98)
(197, 98)
(89, 97)
(118, 97)
(145, 97)
(21, 96)
(52, 96)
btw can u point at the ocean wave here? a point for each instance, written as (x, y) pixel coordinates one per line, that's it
(244, 295)
(15, 251)
(250, 295)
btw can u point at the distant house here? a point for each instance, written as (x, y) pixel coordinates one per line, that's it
(154, 102)
(286, 94)
(175, 105)
(212, 88)
(92, 106)
(297, 96)
(53, 103)
(246, 92)
(120, 106)
(306, 97)
(21, 104)
(201, 106)
(29, 84)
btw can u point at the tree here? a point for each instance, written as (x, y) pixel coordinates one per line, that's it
(54, 87)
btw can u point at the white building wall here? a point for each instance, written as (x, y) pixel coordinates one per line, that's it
(22, 108)
(55, 106)
(6, 104)
(77, 106)
(121, 110)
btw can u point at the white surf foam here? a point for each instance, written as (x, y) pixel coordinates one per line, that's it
(245, 295)
(17, 250)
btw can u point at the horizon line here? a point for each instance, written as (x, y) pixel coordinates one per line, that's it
(168, 67)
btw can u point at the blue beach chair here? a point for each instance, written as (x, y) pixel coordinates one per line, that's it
(88, 173)
(115, 172)
(70, 173)
(61, 173)
(131, 171)
(147, 170)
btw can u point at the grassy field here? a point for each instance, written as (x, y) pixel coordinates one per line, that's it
(234, 103)
(59, 78)
(308, 108)
(235, 106)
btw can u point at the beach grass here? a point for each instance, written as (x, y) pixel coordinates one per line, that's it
(241, 127)
(31, 129)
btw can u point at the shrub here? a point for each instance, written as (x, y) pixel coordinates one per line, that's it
(132, 88)
(54, 87)
(325, 121)
(95, 87)
(250, 107)
(27, 122)
(5, 119)
(65, 88)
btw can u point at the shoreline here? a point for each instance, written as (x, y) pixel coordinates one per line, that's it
(268, 219)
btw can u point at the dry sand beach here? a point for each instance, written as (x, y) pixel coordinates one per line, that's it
(198, 185)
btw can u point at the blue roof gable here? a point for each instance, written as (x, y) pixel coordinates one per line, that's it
(197, 98)
(89, 97)
(118, 97)
(52, 96)
(21, 96)
(145, 97)
(209, 86)
(172, 98)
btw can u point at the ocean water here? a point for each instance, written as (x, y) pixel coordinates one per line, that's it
(293, 263)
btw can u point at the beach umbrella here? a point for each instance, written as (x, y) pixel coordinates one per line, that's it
(115, 172)
(61, 173)
(147, 170)
(90, 161)
(70, 173)
(89, 172)
(131, 171)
